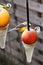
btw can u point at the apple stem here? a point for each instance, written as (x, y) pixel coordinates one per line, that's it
(27, 14)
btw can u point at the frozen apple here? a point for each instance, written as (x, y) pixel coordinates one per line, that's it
(29, 37)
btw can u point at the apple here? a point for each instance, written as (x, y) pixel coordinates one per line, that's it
(29, 36)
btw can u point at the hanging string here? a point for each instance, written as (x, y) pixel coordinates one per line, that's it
(27, 8)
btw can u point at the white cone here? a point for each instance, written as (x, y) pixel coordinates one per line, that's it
(29, 51)
(3, 34)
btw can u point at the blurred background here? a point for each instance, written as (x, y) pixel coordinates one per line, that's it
(14, 54)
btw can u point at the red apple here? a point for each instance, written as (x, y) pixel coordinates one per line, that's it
(29, 37)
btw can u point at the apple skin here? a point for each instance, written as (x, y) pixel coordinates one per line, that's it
(29, 37)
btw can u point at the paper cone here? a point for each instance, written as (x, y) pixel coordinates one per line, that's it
(3, 34)
(29, 51)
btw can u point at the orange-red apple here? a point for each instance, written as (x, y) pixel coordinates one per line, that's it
(29, 37)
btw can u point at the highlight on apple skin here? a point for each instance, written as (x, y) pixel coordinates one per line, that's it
(29, 36)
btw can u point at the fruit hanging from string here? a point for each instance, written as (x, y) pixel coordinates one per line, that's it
(4, 23)
(28, 38)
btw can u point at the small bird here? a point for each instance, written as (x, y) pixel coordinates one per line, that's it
(5, 6)
(21, 27)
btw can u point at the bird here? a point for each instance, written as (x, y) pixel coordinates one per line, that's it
(23, 26)
(5, 6)
(20, 27)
